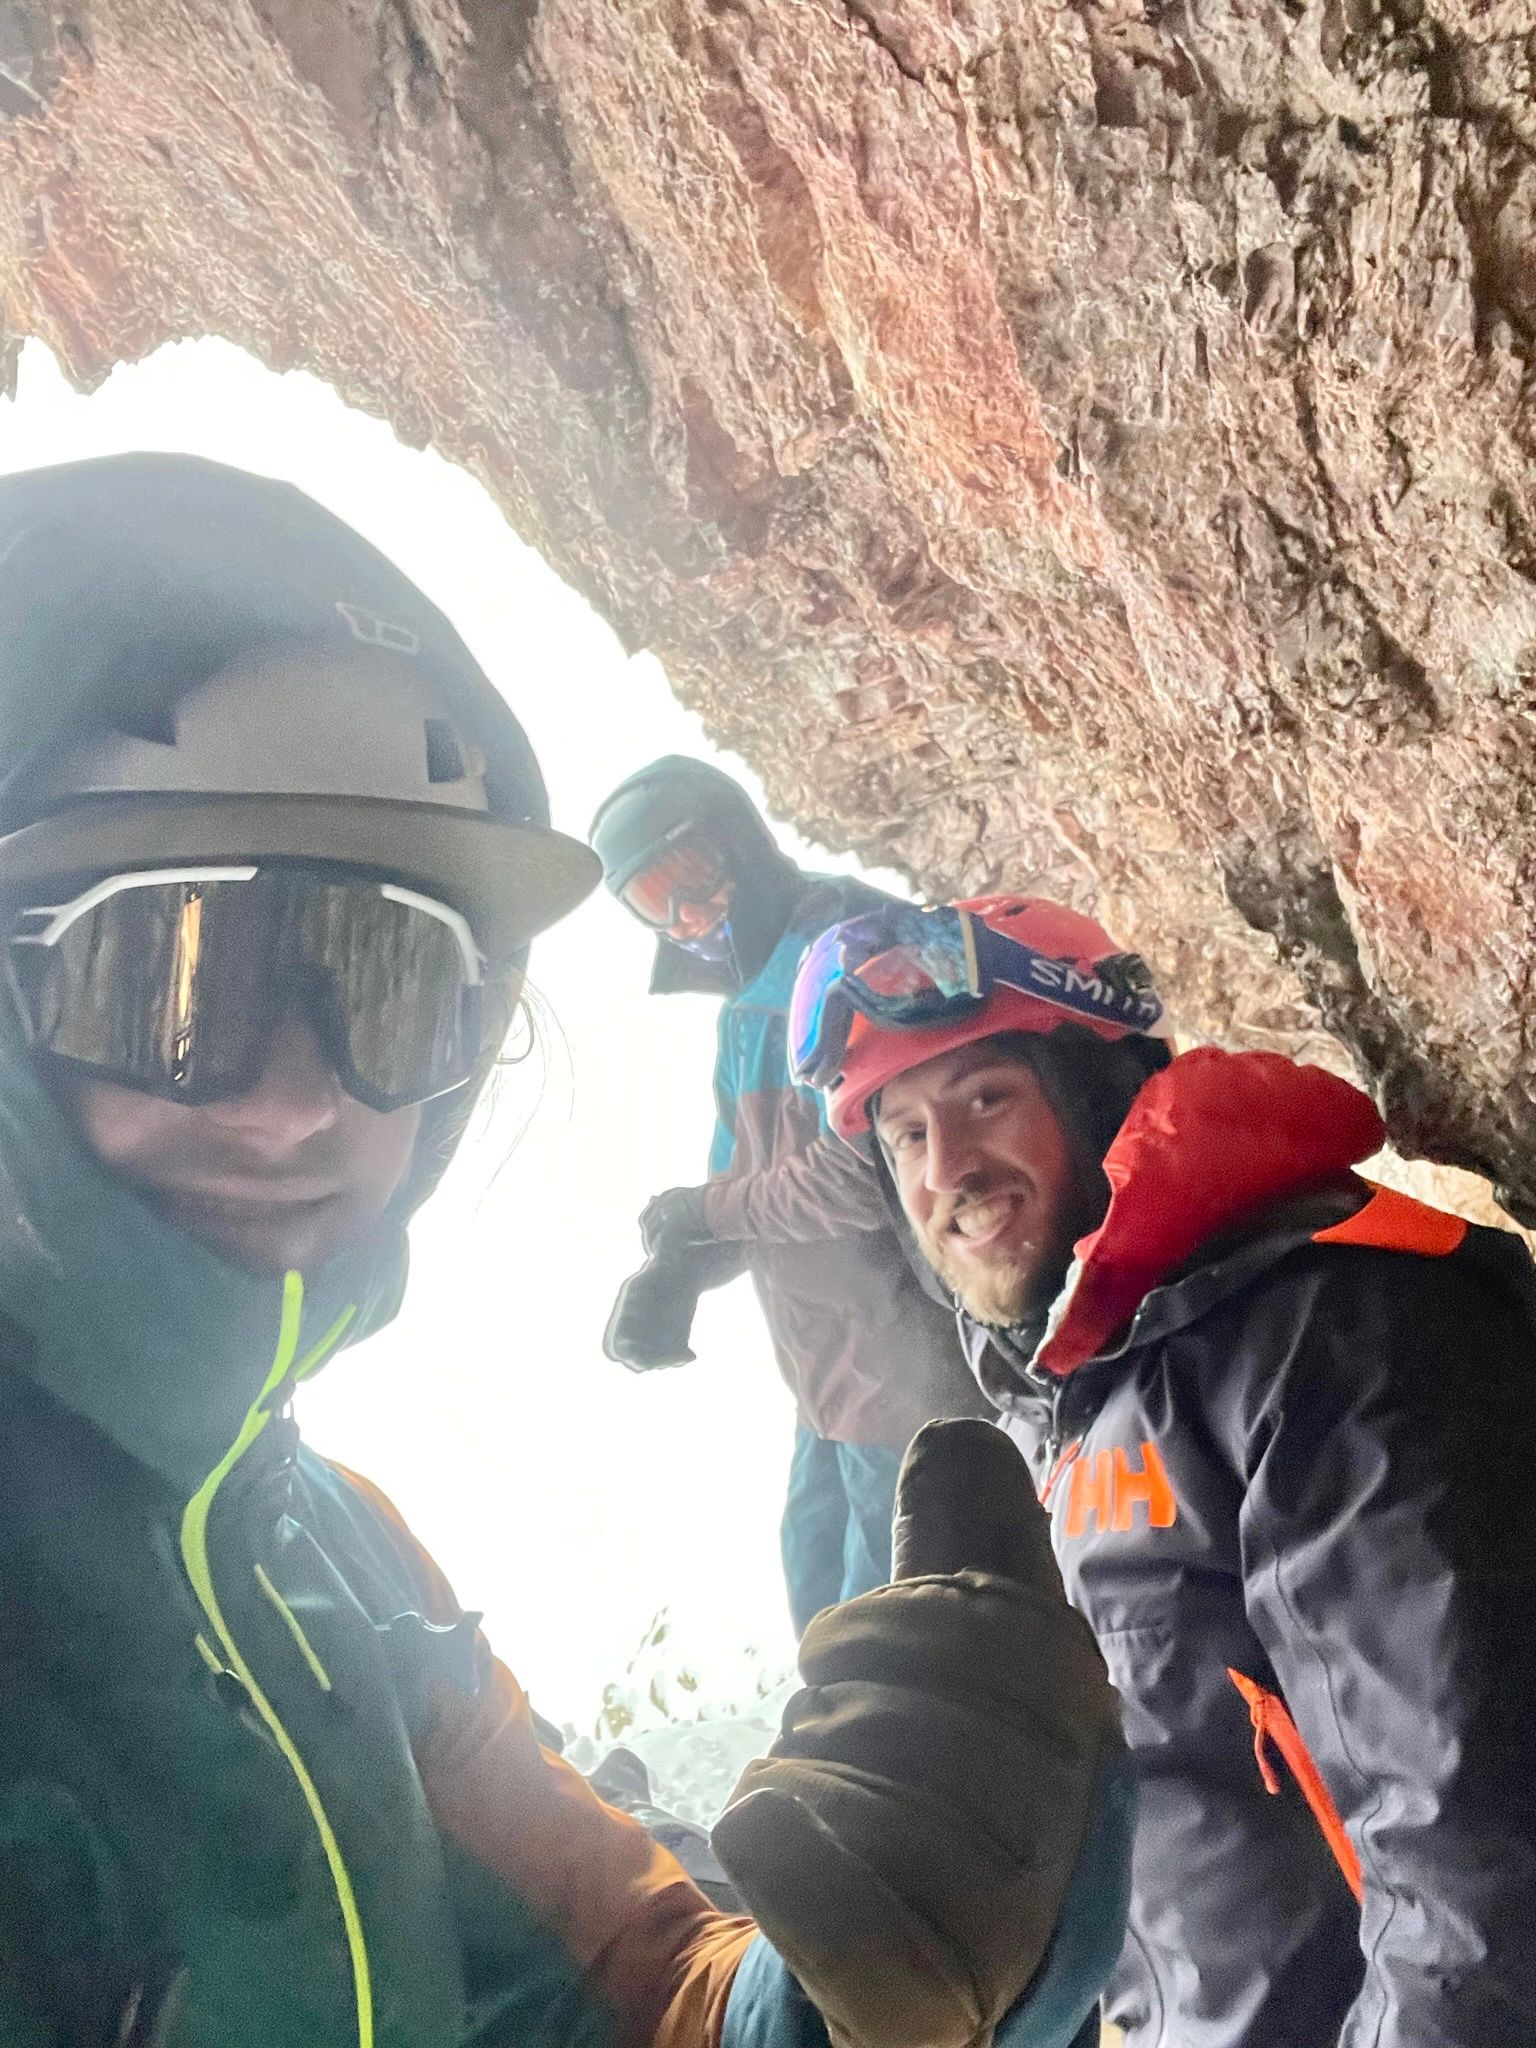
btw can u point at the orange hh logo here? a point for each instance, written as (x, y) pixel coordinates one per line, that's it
(1107, 1489)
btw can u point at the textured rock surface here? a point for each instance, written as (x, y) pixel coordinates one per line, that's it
(1087, 446)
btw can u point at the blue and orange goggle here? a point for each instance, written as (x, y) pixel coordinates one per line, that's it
(693, 878)
(905, 968)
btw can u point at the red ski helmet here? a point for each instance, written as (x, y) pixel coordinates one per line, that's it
(876, 1053)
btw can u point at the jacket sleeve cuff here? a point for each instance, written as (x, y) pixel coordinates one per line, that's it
(767, 2008)
(1059, 2010)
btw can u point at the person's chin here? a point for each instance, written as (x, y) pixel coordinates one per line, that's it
(991, 1290)
(274, 1239)
(999, 1300)
(994, 1279)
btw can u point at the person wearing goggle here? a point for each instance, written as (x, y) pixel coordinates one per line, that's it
(868, 1356)
(686, 897)
(272, 854)
(215, 986)
(1268, 1404)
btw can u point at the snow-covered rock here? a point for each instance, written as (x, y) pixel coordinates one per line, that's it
(695, 1727)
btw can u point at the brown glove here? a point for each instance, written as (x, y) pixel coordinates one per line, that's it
(909, 1841)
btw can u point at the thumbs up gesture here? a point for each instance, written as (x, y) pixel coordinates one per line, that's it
(938, 1842)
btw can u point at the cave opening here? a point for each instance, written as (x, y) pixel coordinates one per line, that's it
(619, 1533)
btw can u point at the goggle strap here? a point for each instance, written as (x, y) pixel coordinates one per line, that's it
(1131, 1010)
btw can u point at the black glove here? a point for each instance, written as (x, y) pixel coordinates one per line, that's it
(951, 1789)
(652, 1317)
(673, 1223)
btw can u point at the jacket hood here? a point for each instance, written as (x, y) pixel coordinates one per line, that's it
(124, 1319)
(1213, 1144)
(664, 803)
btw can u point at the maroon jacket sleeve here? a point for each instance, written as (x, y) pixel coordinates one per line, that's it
(824, 1190)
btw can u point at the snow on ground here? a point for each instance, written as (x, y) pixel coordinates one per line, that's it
(695, 1738)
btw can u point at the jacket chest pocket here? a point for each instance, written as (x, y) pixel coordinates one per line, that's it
(361, 1655)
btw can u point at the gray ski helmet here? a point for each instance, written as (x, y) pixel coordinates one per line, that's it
(198, 663)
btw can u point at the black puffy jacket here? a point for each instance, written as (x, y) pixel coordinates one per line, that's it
(1286, 1425)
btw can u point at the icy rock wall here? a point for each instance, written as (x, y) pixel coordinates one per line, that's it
(1081, 446)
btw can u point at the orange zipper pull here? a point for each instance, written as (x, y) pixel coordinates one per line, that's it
(1258, 1702)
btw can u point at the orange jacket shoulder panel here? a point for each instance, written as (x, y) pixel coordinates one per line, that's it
(1393, 1222)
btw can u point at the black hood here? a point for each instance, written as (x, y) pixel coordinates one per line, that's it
(675, 799)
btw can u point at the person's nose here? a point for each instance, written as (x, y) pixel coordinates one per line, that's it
(297, 1096)
(951, 1156)
(697, 916)
(692, 918)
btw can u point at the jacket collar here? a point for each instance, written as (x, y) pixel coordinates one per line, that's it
(125, 1320)
(1226, 1161)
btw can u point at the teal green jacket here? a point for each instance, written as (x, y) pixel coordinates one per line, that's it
(262, 1784)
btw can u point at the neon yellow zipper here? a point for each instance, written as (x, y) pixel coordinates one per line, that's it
(194, 1553)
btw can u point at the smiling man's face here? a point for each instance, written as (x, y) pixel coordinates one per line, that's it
(986, 1178)
(286, 1175)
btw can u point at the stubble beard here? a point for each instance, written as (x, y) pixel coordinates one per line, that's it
(1021, 1283)
(999, 1294)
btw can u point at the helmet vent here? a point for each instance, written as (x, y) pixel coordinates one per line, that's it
(445, 761)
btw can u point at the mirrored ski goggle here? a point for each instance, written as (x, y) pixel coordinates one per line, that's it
(173, 981)
(905, 967)
(688, 879)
